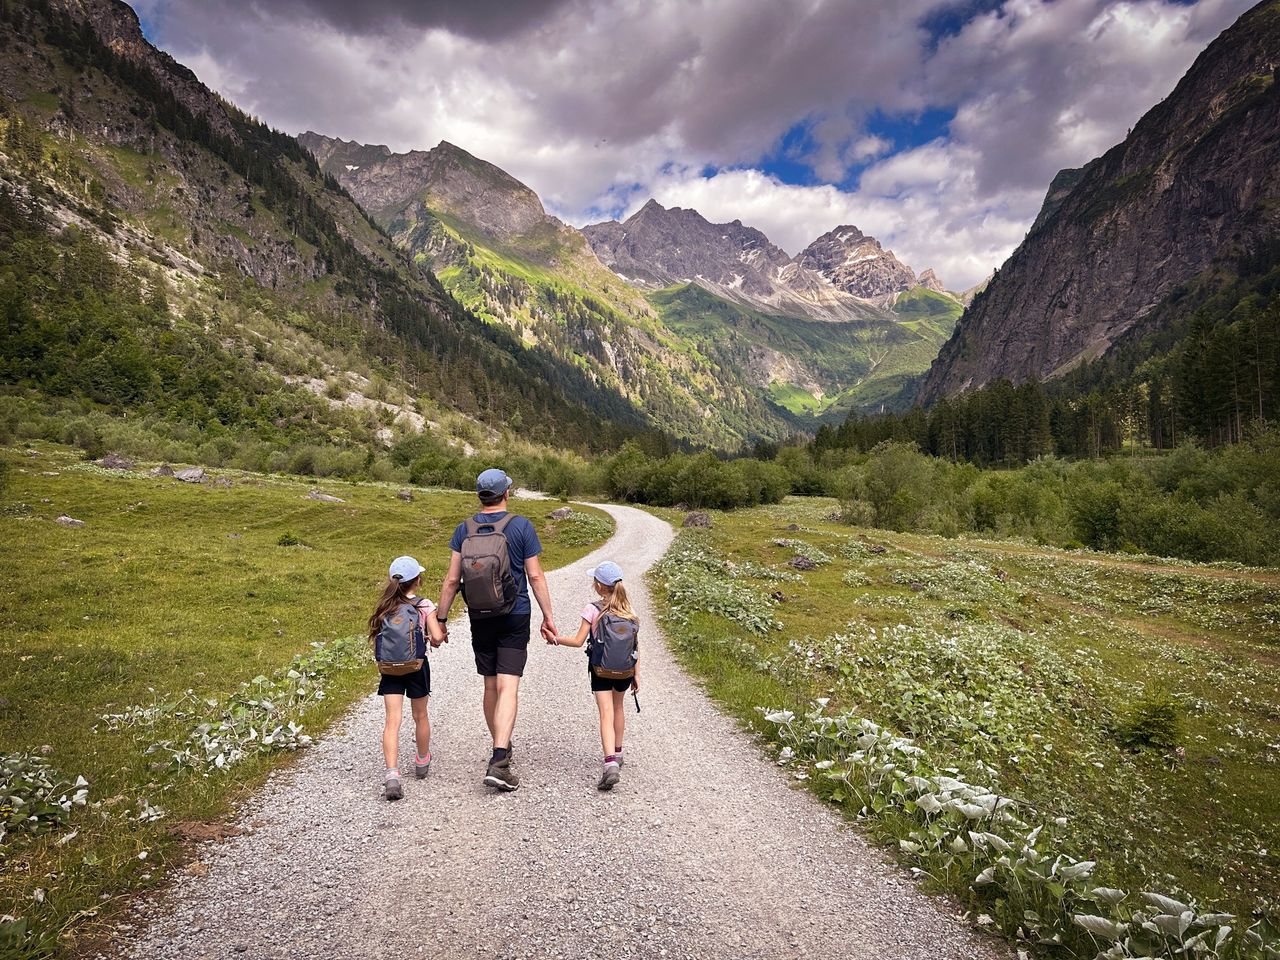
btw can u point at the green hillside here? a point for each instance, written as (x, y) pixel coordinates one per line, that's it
(166, 256)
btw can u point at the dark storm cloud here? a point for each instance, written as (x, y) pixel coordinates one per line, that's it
(479, 19)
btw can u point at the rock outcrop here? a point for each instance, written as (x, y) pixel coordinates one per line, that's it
(1197, 179)
(857, 264)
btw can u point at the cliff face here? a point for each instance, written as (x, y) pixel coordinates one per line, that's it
(1197, 178)
(857, 264)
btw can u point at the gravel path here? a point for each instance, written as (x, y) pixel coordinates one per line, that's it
(703, 850)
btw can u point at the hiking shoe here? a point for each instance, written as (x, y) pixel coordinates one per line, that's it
(392, 788)
(420, 770)
(609, 778)
(500, 776)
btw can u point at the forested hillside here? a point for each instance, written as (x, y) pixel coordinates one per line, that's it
(164, 255)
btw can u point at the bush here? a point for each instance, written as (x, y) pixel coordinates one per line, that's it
(1155, 721)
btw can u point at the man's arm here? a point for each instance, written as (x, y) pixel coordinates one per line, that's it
(452, 583)
(538, 584)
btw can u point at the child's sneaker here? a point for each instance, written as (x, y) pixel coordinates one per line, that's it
(392, 788)
(609, 777)
(420, 770)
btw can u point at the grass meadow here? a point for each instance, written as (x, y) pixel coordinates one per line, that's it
(212, 625)
(1055, 736)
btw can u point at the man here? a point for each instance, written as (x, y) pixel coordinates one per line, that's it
(500, 639)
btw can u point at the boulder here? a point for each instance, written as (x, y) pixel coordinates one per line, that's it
(801, 562)
(164, 470)
(114, 461)
(405, 495)
(69, 521)
(190, 475)
(324, 497)
(560, 513)
(697, 519)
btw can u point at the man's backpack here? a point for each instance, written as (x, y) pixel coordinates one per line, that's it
(488, 585)
(613, 646)
(400, 646)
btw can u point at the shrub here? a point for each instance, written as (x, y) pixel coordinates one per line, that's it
(1155, 721)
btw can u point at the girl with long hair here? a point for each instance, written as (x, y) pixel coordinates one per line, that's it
(401, 589)
(609, 691)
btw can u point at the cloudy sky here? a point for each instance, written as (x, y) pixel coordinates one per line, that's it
(935, 125)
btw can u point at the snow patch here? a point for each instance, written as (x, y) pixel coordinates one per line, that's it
(352, 166)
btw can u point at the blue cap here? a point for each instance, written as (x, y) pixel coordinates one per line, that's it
(608, 573)
(493, 483)
(405, 569)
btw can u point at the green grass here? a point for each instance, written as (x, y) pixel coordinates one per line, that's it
(169, 587)
(1025, 668)
(923, 303)
(796, 399)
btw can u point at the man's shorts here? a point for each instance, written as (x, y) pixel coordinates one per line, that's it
(501, 644)
(414, 685)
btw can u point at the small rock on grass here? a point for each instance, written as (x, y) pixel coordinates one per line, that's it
(560, 513)
(190, 475)
(116, 461)
(222, 482)
(405, 495)
(324, 497)
(164, 470)
(698, 519)
(800, 562)
(69, 521)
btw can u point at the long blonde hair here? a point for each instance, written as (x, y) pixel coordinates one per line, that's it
(614, 600)
(394, 593)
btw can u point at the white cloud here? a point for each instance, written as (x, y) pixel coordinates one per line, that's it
(597, 104)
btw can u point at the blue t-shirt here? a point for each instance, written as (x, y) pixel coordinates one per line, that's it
(522, 543)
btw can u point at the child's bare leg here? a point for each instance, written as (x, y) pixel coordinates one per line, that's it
(394, 702)
(604, 702)
(619, 718)
(421, 725)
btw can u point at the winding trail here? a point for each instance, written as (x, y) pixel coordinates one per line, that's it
(703, 851)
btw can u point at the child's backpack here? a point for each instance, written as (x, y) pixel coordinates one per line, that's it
(400, 646)
(614, 646)
(488, 585)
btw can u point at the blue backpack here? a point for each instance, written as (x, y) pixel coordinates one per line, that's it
(613, 646)
(401, 645)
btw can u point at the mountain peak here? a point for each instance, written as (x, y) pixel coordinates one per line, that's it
(929, 280)
(851, 261)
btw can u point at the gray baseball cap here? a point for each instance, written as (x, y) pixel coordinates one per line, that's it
(493, 483)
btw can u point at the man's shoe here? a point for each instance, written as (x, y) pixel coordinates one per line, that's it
(420, 770)
(392, 788)
(609, 778)
(500, 776)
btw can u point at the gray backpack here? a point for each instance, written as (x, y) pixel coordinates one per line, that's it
(488, 585)
(614, 646)
(400, 646)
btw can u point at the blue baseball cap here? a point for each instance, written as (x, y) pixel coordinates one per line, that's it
(608, 573)
(405, 569)
(493, 483)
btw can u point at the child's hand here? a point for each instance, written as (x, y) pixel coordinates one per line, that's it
(635, 683)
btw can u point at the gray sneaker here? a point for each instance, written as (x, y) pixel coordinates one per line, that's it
(420, 770)
(392, 788)
(609, 778)
(500, 776)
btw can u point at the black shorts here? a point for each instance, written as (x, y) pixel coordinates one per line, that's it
(601, 684)
(501, 644)
(414, 685)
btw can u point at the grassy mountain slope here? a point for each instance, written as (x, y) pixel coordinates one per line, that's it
(220, 278)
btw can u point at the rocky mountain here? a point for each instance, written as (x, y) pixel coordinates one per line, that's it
(234, 288)
(1193, 190)
(858, 265)
(842, 276)
(772, 340)
(929, 280)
